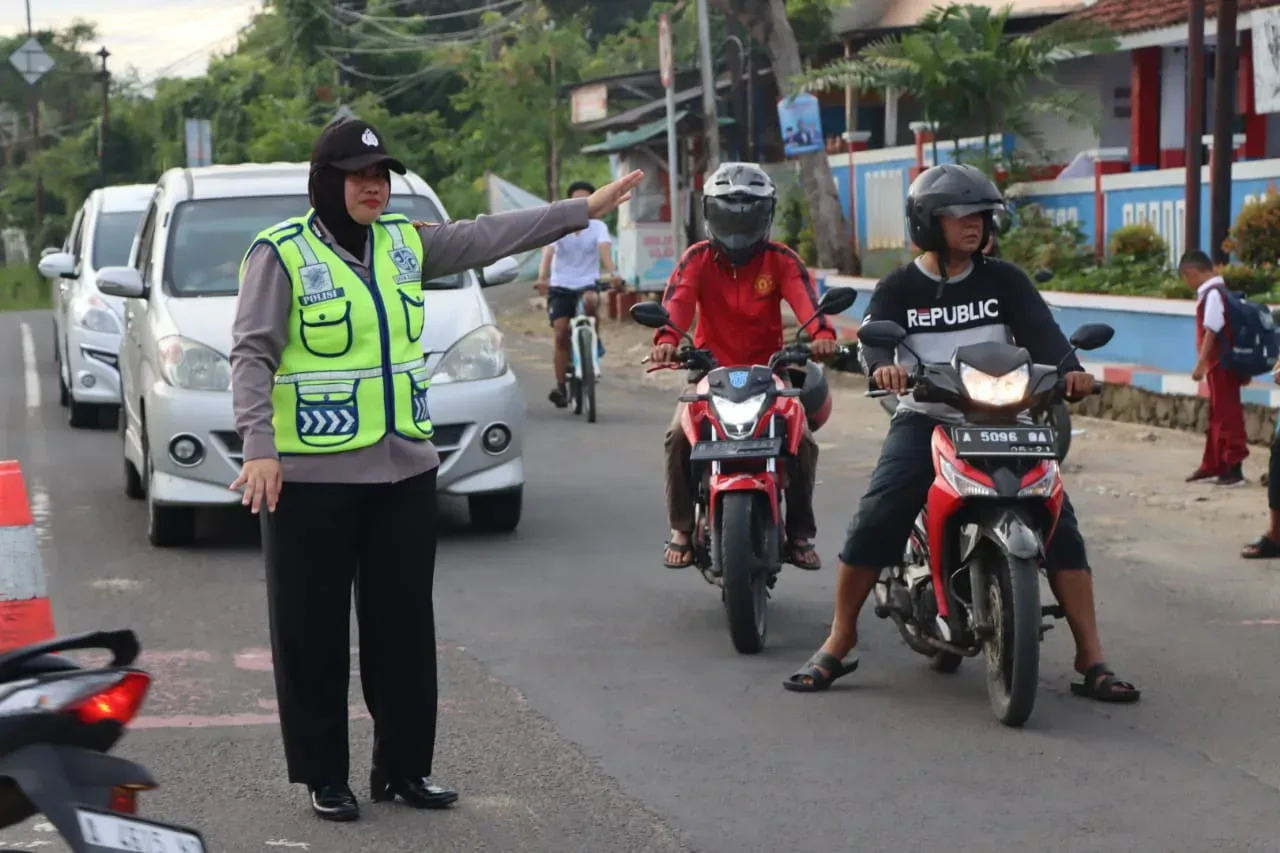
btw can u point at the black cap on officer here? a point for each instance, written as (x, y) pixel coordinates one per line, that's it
(350, 145)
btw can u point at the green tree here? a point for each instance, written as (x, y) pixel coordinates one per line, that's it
(961, 65)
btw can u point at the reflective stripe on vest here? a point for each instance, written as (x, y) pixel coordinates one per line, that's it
(352, 369)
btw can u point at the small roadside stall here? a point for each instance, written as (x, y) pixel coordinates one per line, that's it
(648, 245)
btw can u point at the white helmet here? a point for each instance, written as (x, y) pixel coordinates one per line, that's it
(738, 202)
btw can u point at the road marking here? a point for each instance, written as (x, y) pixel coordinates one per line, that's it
(30, 378)
(283, 843)
(214, 721)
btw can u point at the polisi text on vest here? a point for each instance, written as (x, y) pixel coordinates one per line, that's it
(953, 315)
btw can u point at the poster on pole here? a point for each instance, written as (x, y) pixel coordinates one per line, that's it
(1266, 60)
(199, 133)
(800, 118)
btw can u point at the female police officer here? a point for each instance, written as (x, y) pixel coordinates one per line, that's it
(330, 392)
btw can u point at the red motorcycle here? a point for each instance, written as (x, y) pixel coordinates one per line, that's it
(740, 421)
(969, 578)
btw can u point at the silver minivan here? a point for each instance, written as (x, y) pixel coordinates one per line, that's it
(179, 444)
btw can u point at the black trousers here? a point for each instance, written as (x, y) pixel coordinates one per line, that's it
(322, 538)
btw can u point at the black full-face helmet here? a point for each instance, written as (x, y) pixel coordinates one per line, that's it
(738, 203)
(950, 189)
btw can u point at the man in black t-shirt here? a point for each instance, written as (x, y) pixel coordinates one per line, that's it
(952, 296)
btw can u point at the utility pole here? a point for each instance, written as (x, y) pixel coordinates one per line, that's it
(553, 154)
(35, 136)
(1195, 122)
(105, 76)
(711, 122)
(1224, 110)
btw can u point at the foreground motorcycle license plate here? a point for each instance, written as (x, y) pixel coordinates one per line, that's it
(104, 831)
(1027, 442)
(750, 448)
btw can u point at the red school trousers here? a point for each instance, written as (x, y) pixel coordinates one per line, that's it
(1225, 443)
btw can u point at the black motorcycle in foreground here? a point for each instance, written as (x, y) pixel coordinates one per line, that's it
(58, 721)
(968, 581)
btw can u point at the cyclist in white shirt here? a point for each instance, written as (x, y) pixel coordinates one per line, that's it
(570, 266)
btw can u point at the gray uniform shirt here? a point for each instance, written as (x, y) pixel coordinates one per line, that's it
(261, 330)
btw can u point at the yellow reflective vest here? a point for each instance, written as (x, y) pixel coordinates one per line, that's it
(352, 370)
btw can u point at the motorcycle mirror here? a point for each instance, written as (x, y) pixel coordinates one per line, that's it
(1044, 276)
(1092, 336)
(882, 334)
(837, 300)
(650, 314)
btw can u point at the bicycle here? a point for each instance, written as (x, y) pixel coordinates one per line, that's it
(581, 375)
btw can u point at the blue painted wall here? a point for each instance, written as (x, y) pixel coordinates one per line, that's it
(1165, 342)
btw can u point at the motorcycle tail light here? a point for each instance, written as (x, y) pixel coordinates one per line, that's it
(124, 798)
(118, 703)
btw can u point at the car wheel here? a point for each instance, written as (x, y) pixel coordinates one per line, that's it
(133, 486)
(496, 513)
(167, 526)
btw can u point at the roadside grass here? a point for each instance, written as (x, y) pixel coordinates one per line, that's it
(23, 289)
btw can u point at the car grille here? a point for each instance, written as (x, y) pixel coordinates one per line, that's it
(447, 439)
(231, 443)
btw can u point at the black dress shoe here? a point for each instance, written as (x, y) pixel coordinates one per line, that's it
(334, 801)
(417, 791)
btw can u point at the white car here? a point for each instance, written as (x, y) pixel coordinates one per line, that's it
(181, 450)
(86, 322)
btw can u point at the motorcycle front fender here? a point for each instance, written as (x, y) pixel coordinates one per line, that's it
(58, 778)
(1009, 529)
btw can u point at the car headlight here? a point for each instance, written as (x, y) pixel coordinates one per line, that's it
(193, 366)
(741, 414)
(995, 390)
(965, 487)
(478, 355)
(93, 314)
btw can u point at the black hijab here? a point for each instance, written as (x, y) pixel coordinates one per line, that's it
(327, 189)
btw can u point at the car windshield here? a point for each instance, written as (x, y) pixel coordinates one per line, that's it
(208, 239)
(113, 238)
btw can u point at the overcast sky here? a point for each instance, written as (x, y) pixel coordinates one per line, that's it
(173, 37)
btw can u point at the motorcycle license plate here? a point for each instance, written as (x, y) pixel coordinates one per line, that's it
(1027, 442)
(749, 448)
(105, 831)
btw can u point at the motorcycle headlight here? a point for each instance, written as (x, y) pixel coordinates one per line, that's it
(995, 390)
(739, 415)
(1043, 487)
(965, 487)
(478, 355)
(193, 366)
(93, 314)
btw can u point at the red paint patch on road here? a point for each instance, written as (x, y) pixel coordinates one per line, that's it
(212, 721)
(254, 660)
(1261, 622)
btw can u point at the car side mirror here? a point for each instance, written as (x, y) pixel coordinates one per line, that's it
(499, 272)
(881, 334)
(125, 282)
(1092, 336)
(57, 265)
(650, 314)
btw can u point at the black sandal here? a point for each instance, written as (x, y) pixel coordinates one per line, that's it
(1262, 548)
(796, 554)
(819, 680)
(684, 549)
(1100, 683)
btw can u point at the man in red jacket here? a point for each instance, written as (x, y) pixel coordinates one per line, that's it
(736, 281)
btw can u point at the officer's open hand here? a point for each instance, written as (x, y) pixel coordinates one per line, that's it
(607, 199)
(1079, 385)
(822, 348)
(261, 480)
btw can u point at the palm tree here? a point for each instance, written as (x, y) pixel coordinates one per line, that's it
(960, 65)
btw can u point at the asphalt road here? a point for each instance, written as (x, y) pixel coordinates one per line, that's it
(592, 701)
